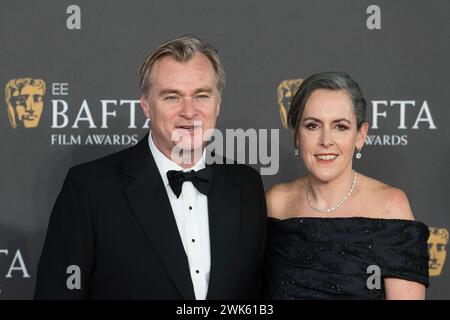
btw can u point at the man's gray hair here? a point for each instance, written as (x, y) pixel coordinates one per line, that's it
(182, 50)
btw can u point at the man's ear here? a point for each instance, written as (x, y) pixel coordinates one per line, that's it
(145, 106)
(362, 134)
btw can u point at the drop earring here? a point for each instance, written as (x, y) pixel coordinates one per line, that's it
(358, 154)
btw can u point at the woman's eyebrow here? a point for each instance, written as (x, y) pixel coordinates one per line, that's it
(317, 120)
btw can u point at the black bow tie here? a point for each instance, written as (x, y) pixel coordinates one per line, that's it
(200, 179)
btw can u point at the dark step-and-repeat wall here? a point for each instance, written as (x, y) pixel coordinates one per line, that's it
(82, 59)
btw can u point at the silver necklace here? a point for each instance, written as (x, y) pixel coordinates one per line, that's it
(308, 191)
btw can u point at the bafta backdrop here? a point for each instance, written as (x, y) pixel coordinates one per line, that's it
(69, 76)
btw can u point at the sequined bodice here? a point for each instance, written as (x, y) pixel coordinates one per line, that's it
(328, 258)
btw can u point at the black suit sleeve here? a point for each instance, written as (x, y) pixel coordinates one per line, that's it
(263, 234)
(69, 241)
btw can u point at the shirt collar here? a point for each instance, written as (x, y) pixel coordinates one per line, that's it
(165, 164)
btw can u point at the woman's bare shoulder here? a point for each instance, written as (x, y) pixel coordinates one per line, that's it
(387, 202)
(280, 197)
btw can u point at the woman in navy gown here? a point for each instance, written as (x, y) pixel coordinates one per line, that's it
(336, 233)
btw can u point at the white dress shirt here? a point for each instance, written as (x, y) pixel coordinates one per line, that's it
(191, 215)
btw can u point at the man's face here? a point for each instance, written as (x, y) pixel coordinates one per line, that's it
(181, 95)
(25, 105)
(436, 247)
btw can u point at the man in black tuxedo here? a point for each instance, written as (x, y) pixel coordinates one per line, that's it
(156, 221)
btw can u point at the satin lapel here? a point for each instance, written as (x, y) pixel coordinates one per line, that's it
(149, 201)
(223, 211)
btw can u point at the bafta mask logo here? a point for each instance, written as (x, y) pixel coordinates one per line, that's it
(24, 101)
(436, 249)
(286, 90)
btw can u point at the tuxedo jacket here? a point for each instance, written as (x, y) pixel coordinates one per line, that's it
(114, 222)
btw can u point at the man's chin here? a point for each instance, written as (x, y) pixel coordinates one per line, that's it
(189, 145)
(188, 134)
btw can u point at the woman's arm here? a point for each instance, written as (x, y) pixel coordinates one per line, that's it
(397, 204)
(399, 289)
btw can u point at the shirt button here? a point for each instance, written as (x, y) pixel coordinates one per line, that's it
(190, 208)
(193, 240)
(196, 271)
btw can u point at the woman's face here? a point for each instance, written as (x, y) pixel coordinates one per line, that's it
(328, 134)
